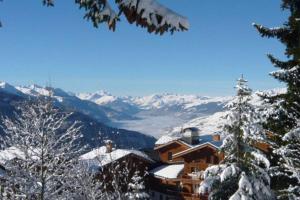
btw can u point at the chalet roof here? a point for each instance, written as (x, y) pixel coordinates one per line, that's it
(209, 139)
(202, 140)
(166, 139)
(168, 171)
(99, 158)
(195, 148)
(178, 141)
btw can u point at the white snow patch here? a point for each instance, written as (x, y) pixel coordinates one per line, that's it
(10, 154)
(165, 139)
(99, 157)
(168, 171)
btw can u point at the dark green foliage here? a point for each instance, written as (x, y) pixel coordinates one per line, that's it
(48, 2)
(289, 73)
(226, 189)
(151, 15)
(287, 105)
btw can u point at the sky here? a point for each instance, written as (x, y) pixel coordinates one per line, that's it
(40, 45)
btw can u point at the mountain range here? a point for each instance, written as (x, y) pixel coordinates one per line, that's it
(94, 118)
(144, 118)
(156, 114)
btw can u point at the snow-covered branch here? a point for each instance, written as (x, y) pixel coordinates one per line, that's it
(49, 149)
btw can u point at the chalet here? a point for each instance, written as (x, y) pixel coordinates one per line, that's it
(183, 160)
(108, 163)
(107, 155)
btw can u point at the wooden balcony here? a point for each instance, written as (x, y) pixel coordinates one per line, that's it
(172, 187)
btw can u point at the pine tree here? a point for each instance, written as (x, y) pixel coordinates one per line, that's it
(145, 13)
(243, 173)
(282, 119)
(289, 71)
(136, 188)
(288, 165)
(48, 149)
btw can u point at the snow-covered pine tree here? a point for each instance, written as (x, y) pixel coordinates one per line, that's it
(49, 148)
(289, 71)
(136, 188)
(149, 14)
(282, 119)
(289, 164)
(243, 173)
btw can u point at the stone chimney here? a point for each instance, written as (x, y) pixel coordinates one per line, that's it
(109, 146)
(216, 138)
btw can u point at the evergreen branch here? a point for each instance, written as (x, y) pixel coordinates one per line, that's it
(99, 11)
(278, 32)
(48, 3)
(282, 64)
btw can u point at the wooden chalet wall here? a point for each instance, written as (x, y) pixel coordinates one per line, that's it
(200, 159)
(174, 147)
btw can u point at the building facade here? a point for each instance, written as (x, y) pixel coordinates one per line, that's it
(183, 161)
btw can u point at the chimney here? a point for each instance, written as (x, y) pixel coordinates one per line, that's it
(216, 138)
(109, 146)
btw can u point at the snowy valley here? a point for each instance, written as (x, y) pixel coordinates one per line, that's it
(154, 115)
(158, 114)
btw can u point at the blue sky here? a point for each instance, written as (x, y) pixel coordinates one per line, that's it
(38, 42)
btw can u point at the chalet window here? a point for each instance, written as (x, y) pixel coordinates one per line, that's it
(170, 155)
(216, 160)
(194, 169)
(153, 194)
(212, 159)
(161, 197)
(208, 159)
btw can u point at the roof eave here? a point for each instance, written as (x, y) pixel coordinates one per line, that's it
(195, 148)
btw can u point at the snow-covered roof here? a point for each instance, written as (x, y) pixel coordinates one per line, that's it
(99, 157)
(203, 140)
(171, 142)
(168, 171)
(165, 139)
(10, 154)
(209, 139)
(194, 149)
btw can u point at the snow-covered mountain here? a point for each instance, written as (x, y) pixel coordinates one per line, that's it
(155, 115)
(211, 124)
(5, 87)
(95, 118)
(162, 102)
(159, 113)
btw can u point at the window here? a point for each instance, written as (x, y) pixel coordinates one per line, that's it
(195, 169)
(170, 155)
(216, 160)
(208, 159)
(161, 197)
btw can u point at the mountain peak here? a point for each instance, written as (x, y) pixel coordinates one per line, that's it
(8, 88)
